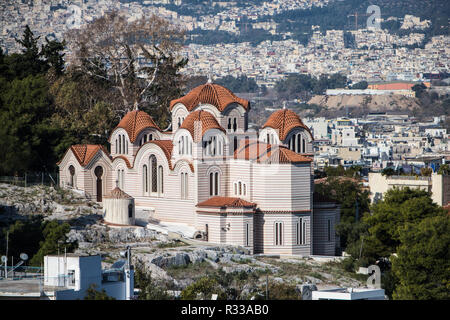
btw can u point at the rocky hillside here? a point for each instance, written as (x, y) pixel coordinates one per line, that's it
(172, 263)
(366, 103)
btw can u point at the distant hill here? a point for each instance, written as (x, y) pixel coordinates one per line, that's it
(337, 15)
(366, 103)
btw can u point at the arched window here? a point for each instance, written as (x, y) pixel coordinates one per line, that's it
(120, 178)
(229, 124)
(235, 142)
(211, 184)
(117, 146)
(247, 235)
(329, 230)
(234, 124)
(153, 166)
(300, 231)
(130, 211)
(278, 233)
(161, 179)
(214, 183)
(240, 188)
(184, 185)
(150, 137)
(123, 143)
(145, 179)
(303, 145)
(120, 144)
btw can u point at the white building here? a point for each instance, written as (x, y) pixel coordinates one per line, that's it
(349, 294)
(318, 126)
(437, 184)
(67, 277)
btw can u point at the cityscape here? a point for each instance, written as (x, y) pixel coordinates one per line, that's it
(224, 150)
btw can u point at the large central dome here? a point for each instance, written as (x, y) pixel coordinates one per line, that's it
(210, 93)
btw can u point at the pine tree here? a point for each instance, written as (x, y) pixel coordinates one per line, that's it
(422, 265)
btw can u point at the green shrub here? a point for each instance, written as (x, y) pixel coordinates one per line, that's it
(203, 289)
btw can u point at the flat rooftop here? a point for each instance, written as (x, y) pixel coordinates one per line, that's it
(26, 288)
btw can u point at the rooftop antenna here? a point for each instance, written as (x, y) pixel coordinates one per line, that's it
(284, 104)
(209, 78)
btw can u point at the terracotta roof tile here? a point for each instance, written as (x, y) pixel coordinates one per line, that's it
(284, 121)
(267, 153)
(211, 93)
(226, 202)
(85, 152)
(135, 121)
(208, 121)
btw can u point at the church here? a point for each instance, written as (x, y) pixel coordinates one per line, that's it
(236, 186)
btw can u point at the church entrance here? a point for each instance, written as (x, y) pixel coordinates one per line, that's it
(98, 173)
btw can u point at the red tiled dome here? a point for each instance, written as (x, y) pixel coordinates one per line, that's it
(284, 121)
(211, 93)
(207, 120)
(135, 121)
(267, 153)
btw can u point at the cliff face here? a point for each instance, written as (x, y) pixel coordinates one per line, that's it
(366, 102)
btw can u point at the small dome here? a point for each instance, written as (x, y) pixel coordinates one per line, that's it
(119, 208)
(117, 193)
(284, 121)
(210, 93)
(136, 121)
(207, 120)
